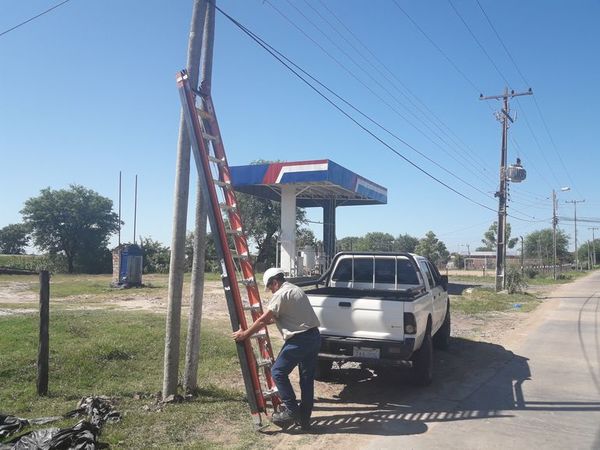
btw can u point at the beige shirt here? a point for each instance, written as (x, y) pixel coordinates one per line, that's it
(292, 310)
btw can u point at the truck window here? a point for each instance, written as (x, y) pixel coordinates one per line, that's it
(363, 270)
(407, 273)
(385, 270)
(437, 278)
(343, 271)
(427, 272)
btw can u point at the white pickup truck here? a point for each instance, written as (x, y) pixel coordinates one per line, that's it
(382, 309)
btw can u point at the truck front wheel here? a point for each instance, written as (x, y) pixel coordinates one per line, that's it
(422, 361)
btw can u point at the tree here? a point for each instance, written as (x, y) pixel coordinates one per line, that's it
(376, 242)
(14, 238)
(585, 252)
(490, 238)
(538, 245)
(156, 256)
(305, 237)
(406, 243)
(262, 220)
(75, 221)
(434, 249)
(348, 243)
(211, 261)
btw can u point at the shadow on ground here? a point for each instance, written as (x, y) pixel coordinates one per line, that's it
(473, 380)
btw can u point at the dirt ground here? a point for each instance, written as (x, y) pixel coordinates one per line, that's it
(356, 402)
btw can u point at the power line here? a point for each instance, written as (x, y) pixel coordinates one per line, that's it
(33, 18)
(537, 142)
(428, 114)
(353, 75)
(527, 83)
(479, 43)
(437, 47)
(502, 43)
(288, 63)
(530, 161)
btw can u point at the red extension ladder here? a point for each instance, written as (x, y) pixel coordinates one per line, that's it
(255, 353)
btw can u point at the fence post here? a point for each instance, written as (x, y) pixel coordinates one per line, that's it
(44, 344)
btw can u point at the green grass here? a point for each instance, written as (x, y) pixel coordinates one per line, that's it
(485, 300)
(65, 285)
(120, 354)
(563, 278)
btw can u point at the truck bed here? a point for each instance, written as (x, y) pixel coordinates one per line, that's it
(402, 295)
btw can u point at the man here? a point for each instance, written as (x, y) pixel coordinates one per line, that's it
(291, 311)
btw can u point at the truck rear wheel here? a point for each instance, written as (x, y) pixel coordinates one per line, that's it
(323, 370)
(441, 340)
(422, 361)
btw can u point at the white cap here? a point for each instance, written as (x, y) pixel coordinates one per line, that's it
(270, 273)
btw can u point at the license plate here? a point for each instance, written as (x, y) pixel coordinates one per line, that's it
(365, 352)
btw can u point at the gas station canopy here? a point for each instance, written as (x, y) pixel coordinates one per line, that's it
(316, 182)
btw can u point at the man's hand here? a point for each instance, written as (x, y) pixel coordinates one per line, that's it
(239, 335)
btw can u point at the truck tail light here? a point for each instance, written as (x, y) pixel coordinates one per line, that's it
(410, 324)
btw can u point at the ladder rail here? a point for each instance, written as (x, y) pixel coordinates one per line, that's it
(226, 224)
(235, 222)
(231, 287)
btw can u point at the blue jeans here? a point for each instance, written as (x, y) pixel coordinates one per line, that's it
(300, 350)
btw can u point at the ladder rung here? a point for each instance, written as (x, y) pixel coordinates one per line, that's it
(223, 184)
(243, 256)
(259, 335)
(226, 207)
(248, 282)
(235, 232)
(248, 307)
(210, 137)
(216, 160)
(268, 393)
(260, 362)
(204, 114)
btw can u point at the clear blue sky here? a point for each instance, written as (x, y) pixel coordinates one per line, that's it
(88, 90)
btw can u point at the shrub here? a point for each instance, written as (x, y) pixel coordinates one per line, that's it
(531, 272)
(514, 281)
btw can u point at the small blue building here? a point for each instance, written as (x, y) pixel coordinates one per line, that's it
(127, 265)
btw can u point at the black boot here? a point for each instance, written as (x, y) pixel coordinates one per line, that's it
(304, 419)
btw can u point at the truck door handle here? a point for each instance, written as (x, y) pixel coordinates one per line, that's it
(344, 304)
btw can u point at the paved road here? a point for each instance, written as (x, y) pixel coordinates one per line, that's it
(545, 394)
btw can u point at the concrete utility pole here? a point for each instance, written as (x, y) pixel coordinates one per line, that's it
(593, 244)
(575, 220)
(182, 181)
(554, 223)
(504, 117)
(522, 256)
(192, 350)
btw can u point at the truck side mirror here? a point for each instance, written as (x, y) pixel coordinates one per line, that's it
(445, 282)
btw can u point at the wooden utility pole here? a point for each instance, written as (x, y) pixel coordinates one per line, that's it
(192, 348)
(504, 117)
(575, 220)
(182, 181)
(554, 223)
(44, 341)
